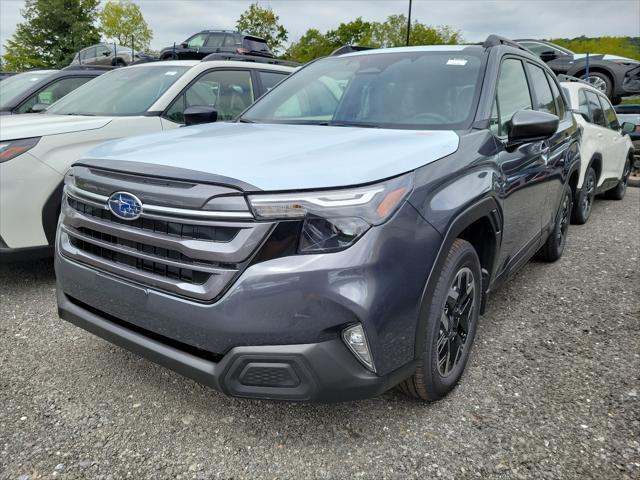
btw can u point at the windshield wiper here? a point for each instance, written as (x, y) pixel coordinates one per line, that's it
(82, 114)
(244, 120)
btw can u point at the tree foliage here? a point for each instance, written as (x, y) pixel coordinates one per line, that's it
(53, 31)
(264, 23)
(123, 22)
(390, 33)
(623, 46)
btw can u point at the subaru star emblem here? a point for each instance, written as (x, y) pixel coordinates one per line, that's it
(125, 205)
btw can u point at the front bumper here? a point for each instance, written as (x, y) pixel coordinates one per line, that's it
(323, 372)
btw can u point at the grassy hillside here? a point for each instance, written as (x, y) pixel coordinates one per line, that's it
(623, 46)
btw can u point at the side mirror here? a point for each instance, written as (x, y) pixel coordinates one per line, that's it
(199, 114)
(628, 127)
(548, 56)
(106, 54)
(184, 45)
(38, 108)
(531, 126)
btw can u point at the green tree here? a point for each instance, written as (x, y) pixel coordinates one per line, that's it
(393, 33)
(123, 22)
(53, 31)
(264, 23)
(356, 32)
(312, 44)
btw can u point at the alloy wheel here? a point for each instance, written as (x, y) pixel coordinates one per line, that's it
(564, 219)
(596, 82)
(590, 194)
(455, 321)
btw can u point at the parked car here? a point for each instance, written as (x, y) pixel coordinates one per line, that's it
(107, 54)
(39, 89)
(613, 75)
(631, 113)
(340, 238)
(36, 150)
(605, 149)
(207, 42)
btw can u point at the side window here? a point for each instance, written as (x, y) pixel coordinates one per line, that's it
(536, 47)
(229, 41)
(228, 91)
(583, 106)
(270, 79)
(596, 109)
(197, 40)
(53, 92)
(513, 92)
(215, 40)
(561, 106)
(544, 98)
(610, 114)
(88, 53)
(101, 50)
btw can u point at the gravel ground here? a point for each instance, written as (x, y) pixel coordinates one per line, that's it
(552, 391)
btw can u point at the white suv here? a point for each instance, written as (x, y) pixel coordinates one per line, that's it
(37, 149)
(606, 150)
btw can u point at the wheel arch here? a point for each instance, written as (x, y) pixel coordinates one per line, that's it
(50, 212)
(481, 225)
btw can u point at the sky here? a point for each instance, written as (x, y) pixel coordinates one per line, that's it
(175, 20)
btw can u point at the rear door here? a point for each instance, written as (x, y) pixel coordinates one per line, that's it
(616, 141)
(523, 168)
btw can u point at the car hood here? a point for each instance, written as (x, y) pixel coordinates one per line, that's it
(39, 125)
(276, 156)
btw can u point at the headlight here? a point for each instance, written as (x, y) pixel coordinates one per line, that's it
(334, 219)
(13, 148)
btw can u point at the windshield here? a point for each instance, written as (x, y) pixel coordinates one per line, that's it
(13, 87)
(125, 91)
(411, 90)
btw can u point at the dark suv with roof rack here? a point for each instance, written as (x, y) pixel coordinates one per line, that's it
(207, 42)
(339, 239)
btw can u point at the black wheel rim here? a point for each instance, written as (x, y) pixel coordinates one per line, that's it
(590, 193)
(455, 321)
(564, 219)
(625, 174)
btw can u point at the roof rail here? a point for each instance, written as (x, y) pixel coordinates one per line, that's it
(495, 40)
(349, 49)
(249, 58)
(88, 67)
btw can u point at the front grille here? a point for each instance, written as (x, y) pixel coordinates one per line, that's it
(182, 230)
(196, 258)
(157, 268)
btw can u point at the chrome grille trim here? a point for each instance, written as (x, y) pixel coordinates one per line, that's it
(235, 251)
(149, 210)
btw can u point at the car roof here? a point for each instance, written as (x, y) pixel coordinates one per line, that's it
(213, 63)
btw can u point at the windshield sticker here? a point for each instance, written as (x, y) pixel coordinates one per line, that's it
(457, 61)
(171, 73)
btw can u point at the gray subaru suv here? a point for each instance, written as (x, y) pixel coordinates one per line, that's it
(340, 238)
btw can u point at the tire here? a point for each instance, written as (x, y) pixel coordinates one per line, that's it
(601, 81)
(554, 246)
(435, 378)
(584, 201)
(617, 193)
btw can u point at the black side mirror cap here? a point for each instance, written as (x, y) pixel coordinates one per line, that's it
(549, 55)
(532, 126)
(38, 108)
(184, 45)
(627, 127)
(199, 114)
(106, 54)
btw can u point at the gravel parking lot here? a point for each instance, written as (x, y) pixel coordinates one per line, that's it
(552, 391)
